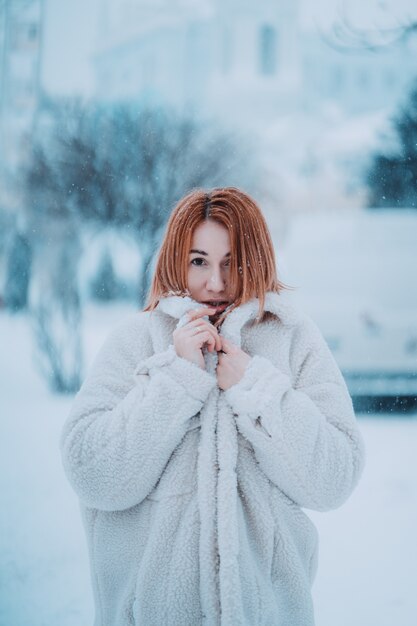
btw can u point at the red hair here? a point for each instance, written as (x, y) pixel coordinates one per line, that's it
(252, 262)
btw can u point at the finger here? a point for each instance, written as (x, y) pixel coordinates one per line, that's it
(199, 323)
(211, 344)
(194, 314)
(226, 345)
(218, 343)
(197, 329)
(205, 337)
(216, 337)
(212, 329)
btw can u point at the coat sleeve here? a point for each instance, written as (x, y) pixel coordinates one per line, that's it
(305, 437)
(128, 417)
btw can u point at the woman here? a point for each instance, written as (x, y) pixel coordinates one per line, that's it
(207, 422)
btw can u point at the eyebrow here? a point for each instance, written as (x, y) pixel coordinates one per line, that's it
(205, 253)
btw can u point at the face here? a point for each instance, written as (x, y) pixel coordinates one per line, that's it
(209, 265)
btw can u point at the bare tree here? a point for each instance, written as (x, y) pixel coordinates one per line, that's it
(125, 166)
(55, 308)
(58, 342)
(118, 166)
(347, 37)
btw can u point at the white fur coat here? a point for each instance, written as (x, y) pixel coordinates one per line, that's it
(192, 496)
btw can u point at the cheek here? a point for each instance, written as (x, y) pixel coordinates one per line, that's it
(194, 281)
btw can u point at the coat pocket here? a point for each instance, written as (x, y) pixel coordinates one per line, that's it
(296, 538)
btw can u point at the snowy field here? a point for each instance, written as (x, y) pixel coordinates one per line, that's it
(368, 549)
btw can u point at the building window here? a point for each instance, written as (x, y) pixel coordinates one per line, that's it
(267, 49)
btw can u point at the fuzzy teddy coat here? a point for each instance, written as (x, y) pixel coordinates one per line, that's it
(191, 496)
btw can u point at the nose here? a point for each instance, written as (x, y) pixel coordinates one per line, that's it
(216, 281)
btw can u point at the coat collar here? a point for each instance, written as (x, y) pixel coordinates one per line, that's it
(177, 306)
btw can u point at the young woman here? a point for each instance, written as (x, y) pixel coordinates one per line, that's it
(208, 421)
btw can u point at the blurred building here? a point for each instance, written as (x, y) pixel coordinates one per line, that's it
(212, 55)
(239, 57)
(360, 79)
(20, 57)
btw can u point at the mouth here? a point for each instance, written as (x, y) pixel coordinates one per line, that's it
(219, 305)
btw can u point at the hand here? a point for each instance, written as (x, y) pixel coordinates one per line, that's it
(231, 364)
(190, 338)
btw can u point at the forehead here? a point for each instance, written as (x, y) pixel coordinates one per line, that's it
(210, 235)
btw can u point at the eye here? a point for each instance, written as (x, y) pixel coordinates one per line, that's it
(197, 260)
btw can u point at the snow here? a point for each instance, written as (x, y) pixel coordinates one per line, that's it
(368, 553)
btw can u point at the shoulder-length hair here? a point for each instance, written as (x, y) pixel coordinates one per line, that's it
(252, 261)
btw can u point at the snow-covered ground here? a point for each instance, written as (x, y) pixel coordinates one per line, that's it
(368, 549)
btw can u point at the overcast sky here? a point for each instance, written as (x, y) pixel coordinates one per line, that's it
(70, 31)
